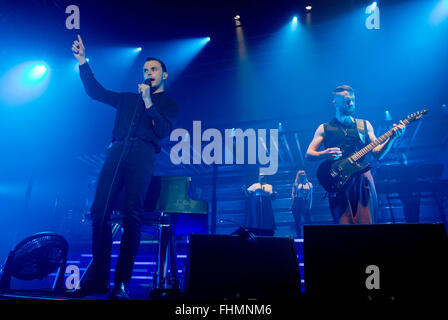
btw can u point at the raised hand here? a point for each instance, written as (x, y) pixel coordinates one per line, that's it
(79, 51)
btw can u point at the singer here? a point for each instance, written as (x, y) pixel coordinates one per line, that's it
(341, 137)
(142, 120)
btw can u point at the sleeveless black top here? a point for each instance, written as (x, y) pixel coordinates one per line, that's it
(345, 137)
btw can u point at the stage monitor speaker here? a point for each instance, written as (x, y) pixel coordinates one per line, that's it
(237, 267)
(398, 262)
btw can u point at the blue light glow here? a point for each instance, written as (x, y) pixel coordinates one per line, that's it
(179, 53)
(37, 72)
(439, 13)
(205, 40)
(294, 23)
(24, 82)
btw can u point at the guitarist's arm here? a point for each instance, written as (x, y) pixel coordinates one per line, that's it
(381, 150)
(313, 152)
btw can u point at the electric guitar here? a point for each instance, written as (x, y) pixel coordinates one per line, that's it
(336, 175)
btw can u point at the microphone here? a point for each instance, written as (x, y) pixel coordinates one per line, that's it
(148, 82)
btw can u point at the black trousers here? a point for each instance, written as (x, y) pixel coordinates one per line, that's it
(132, 176)
(260, 214)
(300, 208)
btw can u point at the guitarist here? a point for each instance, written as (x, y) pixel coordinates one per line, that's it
(341, 137)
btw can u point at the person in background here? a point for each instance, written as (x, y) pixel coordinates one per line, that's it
(259, 205)
(302, 201)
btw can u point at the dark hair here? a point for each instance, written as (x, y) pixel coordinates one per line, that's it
(343, 88)
(159, 61)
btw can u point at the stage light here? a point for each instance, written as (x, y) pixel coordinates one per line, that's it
(308, 14)
(240, 38)
(237, 20)
(439, 13)
(294, 23)
(444, 110)
(137, 50)
(280, 127)
(37, 72)
(87, 59)
(24, 83)
(177, 54)
(34, 74)
(205, 40)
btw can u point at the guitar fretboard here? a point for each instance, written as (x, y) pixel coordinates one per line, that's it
(361, 153)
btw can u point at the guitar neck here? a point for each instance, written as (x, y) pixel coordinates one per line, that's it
(368, 148)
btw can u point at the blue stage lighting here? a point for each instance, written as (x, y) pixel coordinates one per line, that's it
(177, 54)
(204, 40)
(37, 72)
(294, 23)
(137, 50)
(439, 13)
(24, 83)
(374, 4)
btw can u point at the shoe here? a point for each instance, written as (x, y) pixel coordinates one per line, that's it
(119, 293)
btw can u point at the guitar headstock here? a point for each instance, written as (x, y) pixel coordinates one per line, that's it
(415, 116)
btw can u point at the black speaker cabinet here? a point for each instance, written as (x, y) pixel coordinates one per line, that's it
(237, 267)
(397, 262)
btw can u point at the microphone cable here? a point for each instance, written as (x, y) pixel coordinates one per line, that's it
(123, 152)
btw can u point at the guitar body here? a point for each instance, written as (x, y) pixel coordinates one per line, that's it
(336, 176)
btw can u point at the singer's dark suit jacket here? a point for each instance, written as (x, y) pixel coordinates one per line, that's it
(150, 125)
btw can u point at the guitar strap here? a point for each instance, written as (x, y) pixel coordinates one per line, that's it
(361, 126)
